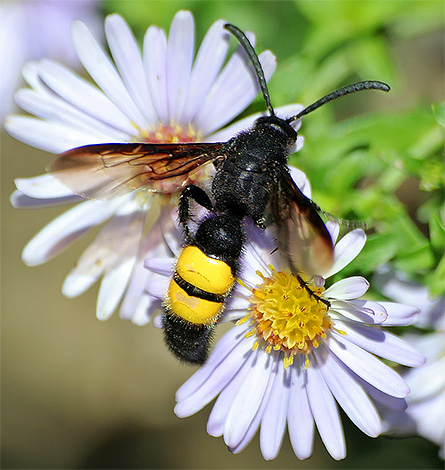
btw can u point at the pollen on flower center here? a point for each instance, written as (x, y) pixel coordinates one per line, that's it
(171, 133)
(286, 317)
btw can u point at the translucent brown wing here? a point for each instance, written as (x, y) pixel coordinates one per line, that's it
(106, 170)
(303, 238)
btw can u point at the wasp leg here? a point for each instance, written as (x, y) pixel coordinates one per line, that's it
(196, 194)
(311, 293)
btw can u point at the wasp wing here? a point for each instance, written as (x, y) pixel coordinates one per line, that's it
(107, 170)
(302, 236)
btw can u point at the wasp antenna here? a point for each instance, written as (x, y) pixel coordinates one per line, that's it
(360, 86)
(251, 54)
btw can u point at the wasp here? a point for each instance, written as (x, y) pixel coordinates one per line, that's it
(251, 180)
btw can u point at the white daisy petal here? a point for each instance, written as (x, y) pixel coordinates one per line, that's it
(346, 250)
(49, 136)
(333, 229)
(52, 108)
(208, 63)
(42, 187)
(157, 287)
(234, 88)
(121, 237)
(218, 415)
(349, 395)
(399, 314)
(394, 403)
(273, 422)
(137, 305)
(84, 96)
(163, 266)
(248, 400)
(368, 367)
(325, 413)
(219, 377)
(382, 343)
(66, 228)
(19, 200)
(128, 59)
(359, 310)
(155, 60)
(255, 424)
(103, 72)
(221, 351)
(346, 289)
(180, 48)
(247, 122)
(299, 417)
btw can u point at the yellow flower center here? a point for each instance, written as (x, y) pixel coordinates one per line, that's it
(171, 133)
(287, 316)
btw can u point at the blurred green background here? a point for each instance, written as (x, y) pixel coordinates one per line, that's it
(78, 393)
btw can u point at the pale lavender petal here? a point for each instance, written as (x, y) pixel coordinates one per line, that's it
(103, 72)
(368, 367)
(155, 60)
(30, 73)
(180, 47)
(299, 418)
(128, 59)
(400, 314)
(325, 413)
(349, 394)
(231, 347)
(301, 180)
(234, 89)
(255, 424)
(137, 305)
(333, 229)
(220, 375)
(346, 250)
(247, 123)
(21, 201)
(381, 343)
(218, 415)
(273, 422)
(54, 109)
(42, 187)
(364, 311)
(163, 266)
(52, 137)
(121, 236)
(248, 400)
(114, 248)
(84, 96)
(157, 286)
(386, 400)
(346, 289)
(66, 228)
(208, 63)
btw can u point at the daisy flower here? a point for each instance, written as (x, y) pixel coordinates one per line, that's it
(31, 30)
(291, 358)
(425, 414)
(164, 94)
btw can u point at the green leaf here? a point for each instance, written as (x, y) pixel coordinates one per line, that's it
(439, 113)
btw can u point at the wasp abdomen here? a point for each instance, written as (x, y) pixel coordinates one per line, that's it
(203, 278)
(199, 287)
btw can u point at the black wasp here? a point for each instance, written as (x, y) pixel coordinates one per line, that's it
(251, 179)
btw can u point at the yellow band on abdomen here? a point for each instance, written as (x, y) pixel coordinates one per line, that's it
(190, 308)
(209, 274)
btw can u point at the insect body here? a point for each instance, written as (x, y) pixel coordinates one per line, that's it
(252, 180)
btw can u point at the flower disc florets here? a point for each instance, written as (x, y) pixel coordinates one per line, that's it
(172, 133)
(287, 315)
